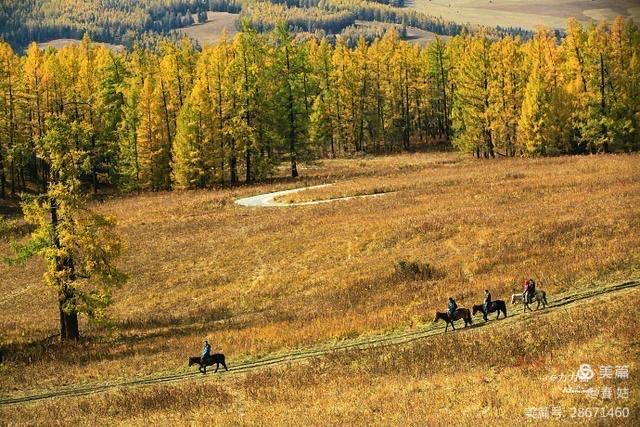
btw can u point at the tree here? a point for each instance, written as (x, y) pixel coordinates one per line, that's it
(471, 117)
(544, 126)
(290, 62)
(505, 93)
(78, 245)
(153, 151)
(438, 72)
(10, 73)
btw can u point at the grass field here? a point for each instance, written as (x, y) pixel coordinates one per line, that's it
(258, 281)
(525, 13)
(209, 32)
(414, 35)
(60, 43)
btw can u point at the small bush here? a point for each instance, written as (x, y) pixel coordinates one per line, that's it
(415, 270)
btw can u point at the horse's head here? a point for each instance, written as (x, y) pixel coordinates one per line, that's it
(438, 317)
(193, 360)
(513, 298)
(475, 309)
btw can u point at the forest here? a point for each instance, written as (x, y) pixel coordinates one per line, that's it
(125, 22)
(178, 117)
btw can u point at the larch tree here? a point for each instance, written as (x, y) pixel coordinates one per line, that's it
(544, 126)
(438, 73)
(151, 135)
(505, 93)
(471, 118)
(79, 246)
(289, 63)
(10, 138)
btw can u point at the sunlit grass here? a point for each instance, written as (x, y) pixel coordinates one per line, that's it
(485, 376)
(261, 280)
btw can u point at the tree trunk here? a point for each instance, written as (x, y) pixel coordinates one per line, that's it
(292, 122)
(68, 319)
(444, 94)
(3, 178)
(167, 124)
(69, 329)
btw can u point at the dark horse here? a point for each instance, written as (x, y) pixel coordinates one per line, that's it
(214, 359)
(497, 305)
(461, 313)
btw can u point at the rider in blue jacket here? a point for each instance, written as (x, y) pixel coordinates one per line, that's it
(486, 304)
(206, 352)
(452, 306)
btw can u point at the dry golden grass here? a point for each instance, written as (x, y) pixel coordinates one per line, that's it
(218, 23)
(488, 376)
(525, 13)
(262, 280)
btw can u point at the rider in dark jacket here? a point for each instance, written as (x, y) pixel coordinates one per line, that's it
(452, 307)
(486, 304)
(206, 352)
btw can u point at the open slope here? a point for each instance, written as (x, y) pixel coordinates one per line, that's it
(525, 13)
(265, 284)
(391, 339)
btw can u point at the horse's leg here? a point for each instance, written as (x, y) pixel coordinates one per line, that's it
(453, 326)
(446, 326)
(217, 365)
(224, 366)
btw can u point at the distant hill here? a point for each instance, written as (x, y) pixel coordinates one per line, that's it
(526, 14)
(125, 21)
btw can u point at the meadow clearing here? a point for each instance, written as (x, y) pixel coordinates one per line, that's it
(257, 281)
(525, 13)
(218, 23)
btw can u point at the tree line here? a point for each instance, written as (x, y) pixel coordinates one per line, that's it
(176, 117)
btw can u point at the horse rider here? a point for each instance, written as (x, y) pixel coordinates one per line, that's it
(486, 305)
(206, 352)
(452, 307)
(529, 291)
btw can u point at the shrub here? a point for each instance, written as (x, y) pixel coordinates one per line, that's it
(415, 270)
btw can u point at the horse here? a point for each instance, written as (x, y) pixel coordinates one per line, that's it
(497, 305)
(214, 359)
(461, 313)
(539, 296)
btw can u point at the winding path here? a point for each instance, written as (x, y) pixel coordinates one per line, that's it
(376, 341)
(268, 199)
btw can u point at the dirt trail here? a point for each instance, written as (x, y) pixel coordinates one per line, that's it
(395, 338)
(268, 199)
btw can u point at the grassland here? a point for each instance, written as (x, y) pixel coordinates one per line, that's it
(488, 376)
(218, 23)
(60, 43)
(413, 34)
(263, 280)
(525, 13)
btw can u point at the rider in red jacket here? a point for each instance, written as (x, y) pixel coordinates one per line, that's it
(529, 290)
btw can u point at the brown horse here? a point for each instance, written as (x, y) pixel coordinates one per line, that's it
(497, 305)
(214, 359)
(461, 313)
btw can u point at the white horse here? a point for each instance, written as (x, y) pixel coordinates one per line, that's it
(539, 296)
